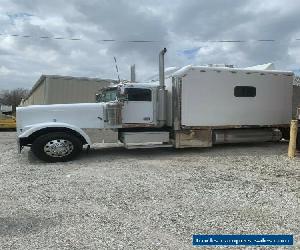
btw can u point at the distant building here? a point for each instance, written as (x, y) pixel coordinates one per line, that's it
(5, 108)
(53, 89)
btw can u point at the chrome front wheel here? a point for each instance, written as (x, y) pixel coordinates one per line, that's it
(58, 148)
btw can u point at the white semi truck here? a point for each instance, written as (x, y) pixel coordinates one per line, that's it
(195, 106)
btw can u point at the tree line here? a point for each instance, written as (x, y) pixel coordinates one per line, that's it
(13, 97)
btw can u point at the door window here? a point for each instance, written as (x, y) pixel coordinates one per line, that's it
(138, 94)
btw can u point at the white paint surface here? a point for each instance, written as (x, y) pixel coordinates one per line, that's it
(137, 112)
(208, 98)
(83, 115)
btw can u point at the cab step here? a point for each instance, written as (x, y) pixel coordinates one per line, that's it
(135, 146)
(145, 137)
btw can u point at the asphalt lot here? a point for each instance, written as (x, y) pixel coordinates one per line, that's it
(115, 198)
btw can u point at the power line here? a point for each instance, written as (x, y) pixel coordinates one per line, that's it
(140, 41)
(78, 39)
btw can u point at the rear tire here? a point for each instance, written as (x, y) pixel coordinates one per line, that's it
(56, 147)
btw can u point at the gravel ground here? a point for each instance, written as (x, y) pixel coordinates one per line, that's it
(115, 198)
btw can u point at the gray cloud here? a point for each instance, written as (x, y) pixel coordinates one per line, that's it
(178, 25)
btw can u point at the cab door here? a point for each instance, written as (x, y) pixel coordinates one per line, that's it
(138, 107)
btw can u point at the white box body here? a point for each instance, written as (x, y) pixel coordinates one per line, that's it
(207, 97)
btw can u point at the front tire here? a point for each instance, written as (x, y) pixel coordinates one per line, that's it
(56, 147)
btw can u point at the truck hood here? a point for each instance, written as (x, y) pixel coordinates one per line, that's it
(82, 115)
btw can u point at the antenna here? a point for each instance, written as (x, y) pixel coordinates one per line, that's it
(117, 69)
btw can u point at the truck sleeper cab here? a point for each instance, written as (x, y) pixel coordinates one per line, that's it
(196, 106)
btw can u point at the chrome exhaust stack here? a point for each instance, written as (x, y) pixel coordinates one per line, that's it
(162, 68)
(162, 93)
(132, 73)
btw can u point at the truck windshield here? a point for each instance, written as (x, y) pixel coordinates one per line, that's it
(108, 95)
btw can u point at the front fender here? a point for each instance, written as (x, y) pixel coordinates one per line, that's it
(30, 129)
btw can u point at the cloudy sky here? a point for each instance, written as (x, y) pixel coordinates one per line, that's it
(184, 27)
